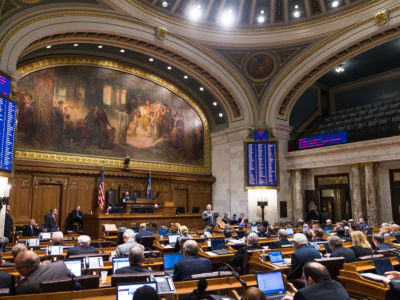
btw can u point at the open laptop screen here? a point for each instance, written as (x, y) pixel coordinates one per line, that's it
(306, 228)
(171, 259)
(217, 244)
(45, 235)
(126, 291)
(54, 250)
(275, 256)
(172, 238)
(120, 263)
(270, 283)
(289, 231)
(254, 228)
(75, 266)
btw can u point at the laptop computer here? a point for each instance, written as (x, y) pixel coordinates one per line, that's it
(254, 228)
(169, 262)
(45, 235)
(272, 285)
(75, 266)
(218, 246)
(93, 262)
(289, 231)
(54, 250)
(172, 239)
(126, 291)
(32, 242)
(383, 265)
(306, 228)
(118, 263)
(165, 284)
(276, 258)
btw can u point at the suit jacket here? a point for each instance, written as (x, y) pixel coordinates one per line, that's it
(31, 283)
(360, 251)
(314, 215)
(81, 250)
(123, 249)
(77, 216)
(30, 231)
(347, 253)
(7, 282)
(279, 244)
(384, 246)
(142, 233)
(190, 265)
(208, 221)
(50, 222)
(8, 227)
(264, 232)
(329, 290)
(301, 256)
(237, 259)
(132, 269)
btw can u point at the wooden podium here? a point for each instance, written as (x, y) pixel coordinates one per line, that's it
(140, 205)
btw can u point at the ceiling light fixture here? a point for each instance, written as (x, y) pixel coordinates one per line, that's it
(215, 103)
(339, 68)
(164, 4)
(169, 68)
(220, 115)
(195, 13)
(227, 18)
(296, 14)
(100, 46)
(335, 3)
(151, 59)
(260, 19)
(76, 45)
(186, 77)
(122, 50)
(48, 47)
(201, 88)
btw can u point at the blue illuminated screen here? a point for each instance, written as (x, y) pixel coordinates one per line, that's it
(8, 110)
(5, 86)
(323, 140)
(270, 283)
(260, 135)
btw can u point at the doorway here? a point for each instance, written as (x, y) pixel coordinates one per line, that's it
(395, 194)
(45, 197)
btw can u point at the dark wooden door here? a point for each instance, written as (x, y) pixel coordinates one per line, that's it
(181, 198)
(45, 197)
(395, 194)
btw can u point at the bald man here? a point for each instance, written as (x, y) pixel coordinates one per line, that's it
(27, 263)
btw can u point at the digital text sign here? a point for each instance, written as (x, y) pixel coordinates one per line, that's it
(5, 86)
(260, 135)
(323, 140)
(261, 164)
(8, 110)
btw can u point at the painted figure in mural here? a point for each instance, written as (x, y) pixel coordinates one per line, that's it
(103, 122)
(68, 129)
(123, 123)
(58, 118)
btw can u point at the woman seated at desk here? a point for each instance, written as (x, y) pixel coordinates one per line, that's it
(361, 246)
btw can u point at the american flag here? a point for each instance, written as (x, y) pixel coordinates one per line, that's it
(100, 199)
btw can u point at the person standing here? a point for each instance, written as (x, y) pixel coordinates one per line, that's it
(314, 214)
(8, 225)
(50, 220)
(209, 217)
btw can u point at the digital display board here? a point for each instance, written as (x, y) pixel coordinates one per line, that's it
(8, 111)
(261, 164)
(5, 86)
(260, 135)
(323, 140)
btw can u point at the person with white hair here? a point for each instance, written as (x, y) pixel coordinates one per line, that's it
(129, 241)
(83, 247)
(143, 232)
(304, 253)
(57, 238)
(252, 244)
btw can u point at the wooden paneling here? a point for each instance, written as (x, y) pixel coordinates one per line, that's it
(181, 198)
(45, 197)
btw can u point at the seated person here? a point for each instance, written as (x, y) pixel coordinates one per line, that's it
(146, 293)
(225, 219)
(7, 282)
(340, 231)
(319, 285)
(58, 238)
(173, 229)
(242, 221)
(234, 220)
(126, 197)
(28, 265)
(315, 227)
(385, 230)
(318, 236)
(143, 232)
(32, 229)
(335, 244)
(77, 216)
(18, 247)
(363, 225)
(308, 234)
(136, 258)
(207, 231)
(153, 227)
(361, 246)
(328, 225)
(252, 244)
(264, 231)
(282, 240)
(253, 293)
(184, 231)
(83, 247)
(192, 263)
(129, 241)
(303, 254)
(394, 230)
(228, 233)
(380, 243)
(4, 264)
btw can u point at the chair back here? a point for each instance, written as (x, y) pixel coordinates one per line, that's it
(57, 285)
(180, 210)
(196, 209)
(211, 275)
(147, 241)
(333, 264)
(105, 256)
(128, 278)
(88, 282)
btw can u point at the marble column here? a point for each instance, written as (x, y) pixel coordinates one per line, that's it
(371, 195)
(298, 198)
(355, 188)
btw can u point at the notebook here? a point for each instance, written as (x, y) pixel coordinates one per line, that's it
(218, 246)
(126, 291)
(75, 266)
(272, 285)
(276, 258)
(172, 239)
(120, 263)
(169, 262)
(383, 265)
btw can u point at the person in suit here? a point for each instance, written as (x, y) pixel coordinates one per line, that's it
(324, 215)
(50, 220)
(153, 227)
(28, 265)
(209, 217)
(225, 219)
(126, 197)
(192, 263)
(303, 254)
(264, 231)
(77, 216)
(318, 236)
(335, 244)
(361, 246)
(83, 247)
(319, 285)
(314, 214)
(328, 225)
(251, 240)
(32, 229)
(58, 238)
(129, 241)
(362, 224)
(380, 243)
(143, 232)
(7, 282)
(17, 249)
(136, 258)
(282, 240)
(234, 220)
(8, 225)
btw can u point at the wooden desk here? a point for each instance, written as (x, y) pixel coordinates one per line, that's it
(216, 259)
(365, 265)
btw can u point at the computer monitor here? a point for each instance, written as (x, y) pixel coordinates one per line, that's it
(172, 238)
(254, 228)
(126, 291)
(93, 262)
(32, 242)
(120, 263)
(163, 232)
(218, 244)
(271, 282)
(275, 257)
(289, 231)
(171, 259)
(383, 265)
(306, 228)
(75, 266)
(45, 235)
(54, 250)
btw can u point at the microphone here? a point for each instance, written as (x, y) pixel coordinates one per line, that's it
(234, 273)
(101, 248)
(153, 255)
(77, 285)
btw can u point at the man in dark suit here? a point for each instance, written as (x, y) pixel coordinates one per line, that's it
(264, 230)
(28, 265)
(380, 243)
(314, 214)
(8, 225)
(136, 258)
(318, 236)
(319, 285)
(77, 216)
(282, 240)
(7, 282)
(83, 247)
(237, 259)
(32, 229)
(209, 217)
(335, 244)
(126, 197)
(50, 220)
(192, 263)
(143, 232)
(303, 254)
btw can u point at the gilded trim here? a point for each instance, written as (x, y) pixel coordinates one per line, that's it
(44, 63)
